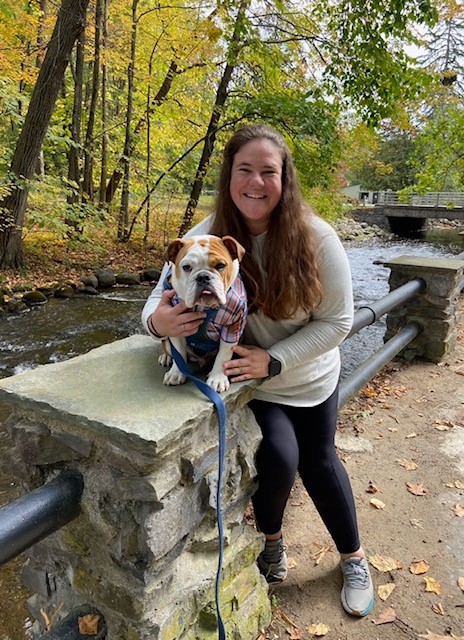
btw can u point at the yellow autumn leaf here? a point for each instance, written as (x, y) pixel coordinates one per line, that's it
(318, 630)
(432, 585)
(458, 510)
(385, 590)
(461, 583)
(378, 504)
(384, 563)
(419, 566)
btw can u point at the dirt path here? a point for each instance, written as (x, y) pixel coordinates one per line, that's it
(408, 427)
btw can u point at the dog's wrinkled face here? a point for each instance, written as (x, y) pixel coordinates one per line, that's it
(204, 268)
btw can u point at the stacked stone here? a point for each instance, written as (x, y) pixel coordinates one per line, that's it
(144, 550)
(435, 309)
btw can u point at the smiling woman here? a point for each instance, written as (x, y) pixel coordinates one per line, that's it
(297, 278)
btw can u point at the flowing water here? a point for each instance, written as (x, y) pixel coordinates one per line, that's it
(61, 329)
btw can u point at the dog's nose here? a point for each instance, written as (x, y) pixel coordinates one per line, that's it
(203, 278)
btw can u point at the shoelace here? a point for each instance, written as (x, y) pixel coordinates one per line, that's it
(355, 574)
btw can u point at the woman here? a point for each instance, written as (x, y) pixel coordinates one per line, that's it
(298, 282)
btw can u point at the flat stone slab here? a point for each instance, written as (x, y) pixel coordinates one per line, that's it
(117, 387)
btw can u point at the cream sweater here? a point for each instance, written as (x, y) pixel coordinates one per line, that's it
(306, 345)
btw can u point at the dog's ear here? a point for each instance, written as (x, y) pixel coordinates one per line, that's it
(234, 248)
(173, 249)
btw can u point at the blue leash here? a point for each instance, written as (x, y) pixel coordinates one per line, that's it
(221, 411)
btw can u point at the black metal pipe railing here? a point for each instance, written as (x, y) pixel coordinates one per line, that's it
(376, 361)
(368, 314)
(36, 515)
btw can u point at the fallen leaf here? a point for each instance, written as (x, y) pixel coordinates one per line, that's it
(458, 484)
(410, 465)
(417, 489)
(291, 563)
(294, 633)
(411, 435)
(387, 615)
(418, 567)
(438, 608)
(286, 619)
(378, 504)
(461, 583)
(385, 590)
(318, 630)
(384, 563)
(458, 510)
(432, 585)
(372, 488)
(88, 625)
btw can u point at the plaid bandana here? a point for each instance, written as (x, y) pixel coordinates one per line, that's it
(226, 323)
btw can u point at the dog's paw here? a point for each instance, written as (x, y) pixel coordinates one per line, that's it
(165, 360)
(219, 382)
(174, 377)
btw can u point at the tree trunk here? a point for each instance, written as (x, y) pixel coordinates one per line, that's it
(210, 138)
(104, 111)
(69, 23)
(124, 209)
(87, 186)
(74, 153)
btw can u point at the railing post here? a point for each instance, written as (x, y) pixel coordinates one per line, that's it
(435, 308)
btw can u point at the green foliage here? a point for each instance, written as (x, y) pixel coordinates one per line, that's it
(439, 155)
(387, 164)
(327, 203)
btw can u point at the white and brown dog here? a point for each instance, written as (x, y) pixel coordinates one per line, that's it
(205, 275)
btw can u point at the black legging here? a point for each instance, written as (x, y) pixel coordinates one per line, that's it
(302, 439)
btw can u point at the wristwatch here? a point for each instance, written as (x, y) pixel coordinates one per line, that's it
(275, 367)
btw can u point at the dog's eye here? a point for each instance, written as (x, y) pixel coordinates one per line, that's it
(220, 266)
(187, 268)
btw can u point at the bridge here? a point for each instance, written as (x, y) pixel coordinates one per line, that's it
(408, 217)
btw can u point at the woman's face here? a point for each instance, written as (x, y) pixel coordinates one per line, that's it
(256, 183)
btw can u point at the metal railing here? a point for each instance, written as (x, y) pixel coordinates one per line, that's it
(367, 315)
(39, 513)
(448, 199)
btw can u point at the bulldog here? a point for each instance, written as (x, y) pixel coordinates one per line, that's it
(204, 273)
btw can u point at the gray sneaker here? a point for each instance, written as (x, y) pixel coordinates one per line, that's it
(358, 591)
(272, 561)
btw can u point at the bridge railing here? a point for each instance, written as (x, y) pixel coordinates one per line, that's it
(448, 199)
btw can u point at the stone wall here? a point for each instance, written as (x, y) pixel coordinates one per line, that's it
(144, 550)
(435, 308)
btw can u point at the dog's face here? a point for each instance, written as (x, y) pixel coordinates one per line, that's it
(204, 268)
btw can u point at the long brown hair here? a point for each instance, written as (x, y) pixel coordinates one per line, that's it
(290, 253)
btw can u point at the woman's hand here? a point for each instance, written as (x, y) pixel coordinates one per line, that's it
(178, 320)
(252, 363)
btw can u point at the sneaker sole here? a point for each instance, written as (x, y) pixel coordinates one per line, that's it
(353, 612)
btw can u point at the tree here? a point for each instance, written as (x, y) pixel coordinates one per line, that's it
(69, 23)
